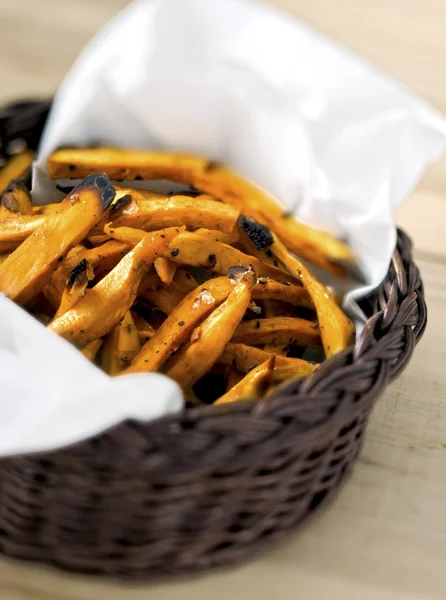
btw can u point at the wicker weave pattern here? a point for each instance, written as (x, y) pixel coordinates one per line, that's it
(214, 485)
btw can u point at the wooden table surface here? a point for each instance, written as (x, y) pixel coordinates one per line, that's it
(385, 537)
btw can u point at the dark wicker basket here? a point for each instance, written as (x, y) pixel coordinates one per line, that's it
(208, 487)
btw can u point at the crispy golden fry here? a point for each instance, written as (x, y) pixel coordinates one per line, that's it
(17, 198)
(185, 280)
(268, 289)
(191, 249)
(213, 178)
(253, 386)
(154, 214)
(126, 235)
(166, 269)
(256, 239)
(98, 240)
(15, 168)
(103, 259)
(15, 229)
(46, 209)
(91, 350)
(103, 306)
(27, 270)
(278, 330)
(232, 376)
(180, 324)
(316, 246)
(337, 331)
(246, 358)
(76, 286)
(139, 193)
(164, 298)
(208, 340)
(120, 346)
(213, 235)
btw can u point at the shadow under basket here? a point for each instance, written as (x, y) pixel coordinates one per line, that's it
(212, 486)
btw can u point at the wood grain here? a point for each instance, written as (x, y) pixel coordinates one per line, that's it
(385, 537)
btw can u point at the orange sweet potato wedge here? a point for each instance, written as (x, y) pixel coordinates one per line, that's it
(16, 167)
(17, 198)
(208, 340)
(253, 386)
(245, 358)
(180, 324)
(101, 309)
(278, 330)
(336, 329)
(213, 178)
(27, 270)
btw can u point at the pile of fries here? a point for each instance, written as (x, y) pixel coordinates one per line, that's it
(206, 286)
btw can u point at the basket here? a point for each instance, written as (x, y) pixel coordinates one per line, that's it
(208, 487)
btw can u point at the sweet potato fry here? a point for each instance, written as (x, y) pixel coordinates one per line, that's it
(213, 235)
(181, 322)
(278, 330)
(15, 229)
(253, 386)
(208, 340)
(126, 235)
(103, 306)
(232, 377)
(15, 168)
(213, 178)
(120, 346)
(46, 209)
(103, 259)
(98, 240)
(185, 280)
(76, 286)
(268, 289)
(91, 350)
(27, 270)
(17, 198)
(191, 249)
(151, 215)
(166, 269)
(337, 331)
(246, 358)
(166, 298)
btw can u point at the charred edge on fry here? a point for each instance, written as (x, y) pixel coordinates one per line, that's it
(260, 235)
(8, 199)
(212, 259)
(120, 203)
(100, 183)
(78, 273)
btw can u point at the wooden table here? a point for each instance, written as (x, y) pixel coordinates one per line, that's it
(385, 537)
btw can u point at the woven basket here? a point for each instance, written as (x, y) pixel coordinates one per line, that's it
(208, 487)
